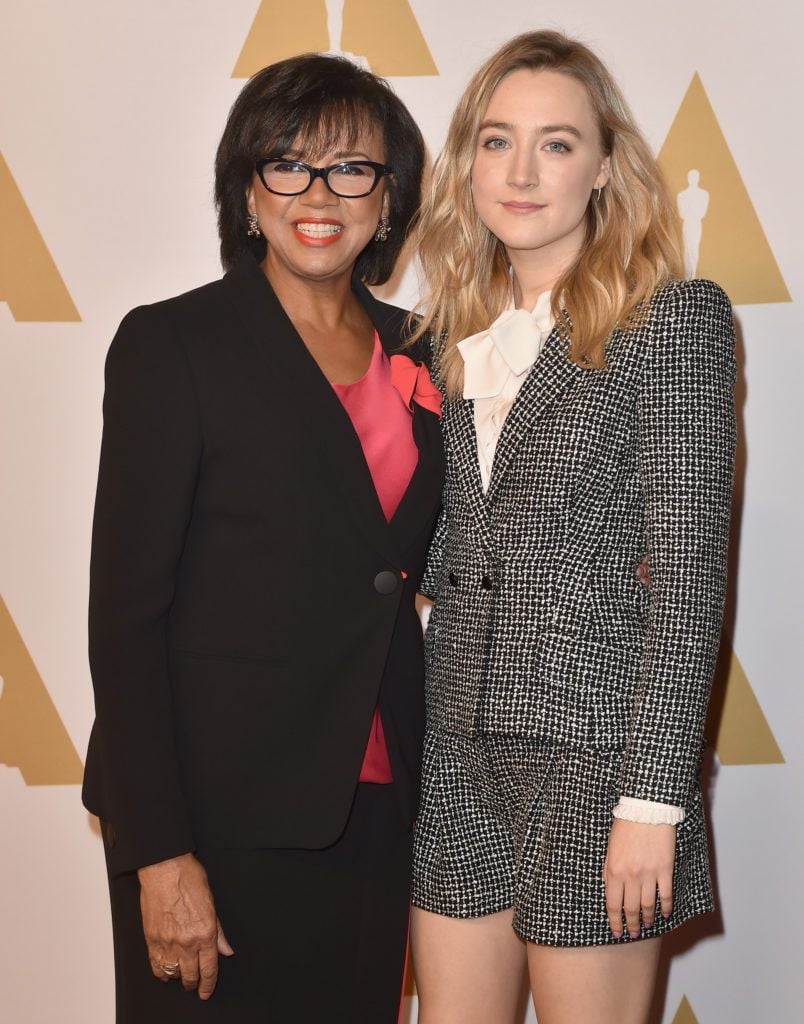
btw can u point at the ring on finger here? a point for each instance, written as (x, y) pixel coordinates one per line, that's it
(171, 970)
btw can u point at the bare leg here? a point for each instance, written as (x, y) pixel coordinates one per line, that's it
(594, 984)
(467, 971)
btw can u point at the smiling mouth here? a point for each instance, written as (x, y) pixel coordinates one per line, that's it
(317, 229)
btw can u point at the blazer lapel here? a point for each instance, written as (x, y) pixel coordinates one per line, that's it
(461, 444)
(551, 375)
(423, 495)
(321, 417)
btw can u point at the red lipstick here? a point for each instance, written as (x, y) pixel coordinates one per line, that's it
(317, 231)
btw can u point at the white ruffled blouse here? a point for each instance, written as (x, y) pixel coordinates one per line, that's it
(496, 363)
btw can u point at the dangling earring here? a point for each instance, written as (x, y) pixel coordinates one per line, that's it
(383, 230)
(253, 226)
(599, 189)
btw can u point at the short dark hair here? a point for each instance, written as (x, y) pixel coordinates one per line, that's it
(326, 102)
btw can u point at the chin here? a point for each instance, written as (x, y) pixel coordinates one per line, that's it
(523, 239)
(517, 235)
(322, 271)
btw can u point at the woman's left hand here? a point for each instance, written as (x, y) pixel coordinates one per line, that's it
(639, 859)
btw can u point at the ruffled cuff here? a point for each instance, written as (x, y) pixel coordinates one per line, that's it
(647, 812)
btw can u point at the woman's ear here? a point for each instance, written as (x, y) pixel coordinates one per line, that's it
(250, 205)
(604, 173)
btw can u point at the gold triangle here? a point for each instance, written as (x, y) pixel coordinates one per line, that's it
(281, 30)
(387, 34)
(29, 280)
(733, 249)
(32, 736)
(736, 720)
(684, 1014)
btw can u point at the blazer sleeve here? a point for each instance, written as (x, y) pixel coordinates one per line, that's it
(150, 455)
(687, 443)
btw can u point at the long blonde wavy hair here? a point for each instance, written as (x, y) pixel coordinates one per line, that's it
(633, 237)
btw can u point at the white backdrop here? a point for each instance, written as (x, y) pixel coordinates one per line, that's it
(110, 112)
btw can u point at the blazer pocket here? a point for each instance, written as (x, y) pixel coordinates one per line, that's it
(587, 690)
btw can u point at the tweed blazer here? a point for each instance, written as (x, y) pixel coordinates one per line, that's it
(540, 626)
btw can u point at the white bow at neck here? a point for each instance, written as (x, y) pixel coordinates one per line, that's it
(510, 345)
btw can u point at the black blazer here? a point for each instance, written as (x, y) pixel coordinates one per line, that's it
(248, 606)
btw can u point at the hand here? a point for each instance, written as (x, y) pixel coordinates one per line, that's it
(180, 924)
(639, 859)
(643, 571)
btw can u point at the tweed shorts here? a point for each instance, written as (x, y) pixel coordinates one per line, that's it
(509, 822)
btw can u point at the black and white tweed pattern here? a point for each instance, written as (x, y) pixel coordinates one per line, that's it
(511, 822)
(540, 627)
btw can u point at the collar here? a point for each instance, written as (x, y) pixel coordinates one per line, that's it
(252, 290)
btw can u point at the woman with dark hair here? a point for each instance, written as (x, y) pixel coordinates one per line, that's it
(269, 477)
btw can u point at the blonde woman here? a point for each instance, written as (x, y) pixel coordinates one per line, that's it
(588, 425)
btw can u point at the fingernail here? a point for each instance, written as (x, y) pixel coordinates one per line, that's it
(617, 935)
(634, 935)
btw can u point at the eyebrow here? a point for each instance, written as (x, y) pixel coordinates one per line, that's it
(297, 154)
(569, 128)
(546, 130)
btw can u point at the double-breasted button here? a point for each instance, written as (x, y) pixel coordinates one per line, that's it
(485, 582)
(386, 582)
(453, 579)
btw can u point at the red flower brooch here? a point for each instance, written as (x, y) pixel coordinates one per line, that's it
(412, 381)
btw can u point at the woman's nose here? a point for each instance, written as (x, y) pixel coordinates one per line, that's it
(523, 171)
(318, 195)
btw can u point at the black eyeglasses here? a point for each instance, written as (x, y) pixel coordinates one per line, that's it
(351, 179)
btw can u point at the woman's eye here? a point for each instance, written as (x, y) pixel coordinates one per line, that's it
(349, 170)
(286, 167)
(557, 147)
(494, 143)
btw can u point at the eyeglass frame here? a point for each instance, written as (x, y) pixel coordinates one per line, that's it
(381, 171)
